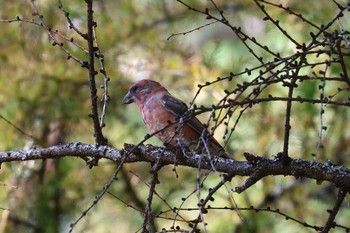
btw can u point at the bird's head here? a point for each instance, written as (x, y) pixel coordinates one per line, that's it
(141, 90)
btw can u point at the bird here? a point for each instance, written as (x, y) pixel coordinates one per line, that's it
(169, 119)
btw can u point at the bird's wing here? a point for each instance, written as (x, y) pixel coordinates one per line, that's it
(178, 109)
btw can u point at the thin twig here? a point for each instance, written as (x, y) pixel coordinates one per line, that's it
(99, 196)
(19, 129)
(149, 218)
(333, 213)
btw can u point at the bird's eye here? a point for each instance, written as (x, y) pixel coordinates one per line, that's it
(134, 88)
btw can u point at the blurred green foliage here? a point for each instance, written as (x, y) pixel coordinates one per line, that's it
(43, 93)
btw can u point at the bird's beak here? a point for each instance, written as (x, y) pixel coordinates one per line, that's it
(128, 98)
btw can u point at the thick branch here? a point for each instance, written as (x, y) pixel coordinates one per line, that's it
(338, 175)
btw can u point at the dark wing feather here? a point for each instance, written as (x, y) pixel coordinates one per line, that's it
(179, 108)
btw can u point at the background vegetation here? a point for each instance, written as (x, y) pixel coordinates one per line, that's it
(45, 101)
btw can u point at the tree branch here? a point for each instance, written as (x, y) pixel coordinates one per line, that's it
(332, 213)
(99, 138)
(338, 175)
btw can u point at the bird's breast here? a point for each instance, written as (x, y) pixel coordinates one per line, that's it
(156, 117)
(162, 122)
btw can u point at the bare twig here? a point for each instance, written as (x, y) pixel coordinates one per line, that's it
(18, 129)
(100, 195)
(333, 213)
(148, 221)
(287, 126)
(91, 24)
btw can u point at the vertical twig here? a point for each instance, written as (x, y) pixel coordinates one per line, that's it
(148, 222)
(322, 105)
(287, 126)
(344, 75)
(99, 138)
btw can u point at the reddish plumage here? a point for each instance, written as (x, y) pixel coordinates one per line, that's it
(158, 108)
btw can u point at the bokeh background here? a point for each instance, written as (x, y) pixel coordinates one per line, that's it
(46, 96)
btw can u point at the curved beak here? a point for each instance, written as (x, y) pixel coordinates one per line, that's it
(128, 98)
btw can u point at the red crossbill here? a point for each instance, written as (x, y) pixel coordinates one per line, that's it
(164, 115)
